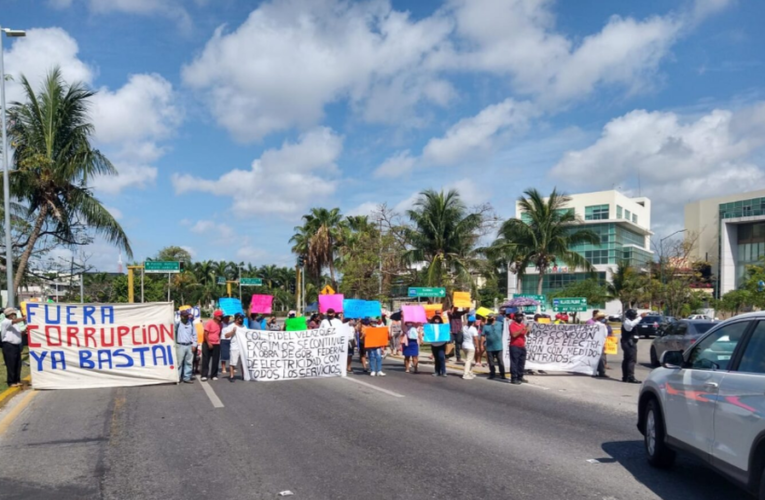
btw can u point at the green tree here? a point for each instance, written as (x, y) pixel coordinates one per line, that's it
(626, 285)
(174, 253)
(318, 239)
(55, 162)
(594, 291)
(544, 239)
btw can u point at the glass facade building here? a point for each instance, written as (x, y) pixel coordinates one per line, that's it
(750, 237)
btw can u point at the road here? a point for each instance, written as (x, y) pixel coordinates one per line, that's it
(403, 436)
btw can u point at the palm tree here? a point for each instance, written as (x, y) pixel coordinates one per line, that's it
(546, 239)
(443, 236)
(318, 238)
(270, 275)
(627, 285)
(54, 163)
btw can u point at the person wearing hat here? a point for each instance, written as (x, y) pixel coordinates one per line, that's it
(211, 347)
(229, 333)
(492, 333)
(599, 317)
(329, 322)
(185, 346)
(10, 334)
(518, 333)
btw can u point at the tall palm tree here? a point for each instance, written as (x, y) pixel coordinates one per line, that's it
(55, 162)
(444, 235)
(270, 275)
(546, 239)
(323, 229)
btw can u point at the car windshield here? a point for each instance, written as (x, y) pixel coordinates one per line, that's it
(651, 319)
(703, 327)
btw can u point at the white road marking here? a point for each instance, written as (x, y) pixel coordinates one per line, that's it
(214, 399)
(384, 391)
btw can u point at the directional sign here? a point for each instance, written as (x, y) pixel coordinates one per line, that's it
(427, 292)
(327, 290)
(221, 280)
(542, 299)
(164, 267)
(250, 281)
(570, 304)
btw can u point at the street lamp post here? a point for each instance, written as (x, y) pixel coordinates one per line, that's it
(6, 189)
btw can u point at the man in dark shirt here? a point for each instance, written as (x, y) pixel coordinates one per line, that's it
(455, 327)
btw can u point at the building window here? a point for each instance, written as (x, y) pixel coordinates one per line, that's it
(596, 257)
(596, 212)
(634, 218)
(628, 215)
(618, 212)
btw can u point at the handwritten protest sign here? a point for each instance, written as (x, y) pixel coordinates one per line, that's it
(261, 304)
(376, 336)
(414, 314)
(432, 309)
(356, 308)
(564, 348)
(433, 332)
(230, 306)
(612, 344)
(79, 346)
(296, 324)
(327, 302)
(461, 300)
(274, 355)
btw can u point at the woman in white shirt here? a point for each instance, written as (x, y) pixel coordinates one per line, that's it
(470, 339)
(229, 333)
(411, 341)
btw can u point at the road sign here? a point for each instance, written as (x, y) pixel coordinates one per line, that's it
(570, 304)
(327, 290)
(221, 281)
(427, 292)
(250, 281)
(542, 299)
(163, 267)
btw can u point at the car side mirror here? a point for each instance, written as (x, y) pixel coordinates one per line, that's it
(672, 359)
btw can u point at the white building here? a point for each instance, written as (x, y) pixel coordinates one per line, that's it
(624, 227)
(730, 235)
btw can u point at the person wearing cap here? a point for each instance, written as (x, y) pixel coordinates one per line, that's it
(211, 347)
(469, 340)
(186, 345)
(272, 324)
(10, 334)
(492, 333)
(290, 315)
(518, 333)
(329, 322)
(229, 333)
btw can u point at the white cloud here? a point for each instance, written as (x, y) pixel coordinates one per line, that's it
(130, 176)
(407, 203)
(366, 208)
(219, 231)
(171, 9)
(250, 254)
(397, 165)
(291, 58)
(283, 181)
(470, 192)
(191, 250)
(677, 159)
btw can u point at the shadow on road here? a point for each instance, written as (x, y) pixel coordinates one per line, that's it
(688, 478)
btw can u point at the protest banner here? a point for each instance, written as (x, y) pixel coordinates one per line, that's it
(375, 336)
(612, 345)
(462, 300)
(327, 302)
(261, 304)
(81, 346)
(296, 324)
(230, 306)
(274, 355)
(432, 309)
(357, 308)
(414, 314)
(563, 348)
(433, 332)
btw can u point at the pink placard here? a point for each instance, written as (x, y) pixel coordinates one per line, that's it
(261, 304)
(331, 302)
(415, 314)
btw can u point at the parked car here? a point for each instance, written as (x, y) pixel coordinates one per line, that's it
(678, 336)
(709, 401)
(700, 317)
(649, 325)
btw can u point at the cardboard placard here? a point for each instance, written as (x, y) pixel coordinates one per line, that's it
(375, 336)
(327, 302)
(296, 324)
(261, 304)
(414, 314)
(462, 300)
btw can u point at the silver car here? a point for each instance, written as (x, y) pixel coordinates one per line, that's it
(678, 336)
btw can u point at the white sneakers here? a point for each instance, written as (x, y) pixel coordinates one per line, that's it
(373, 374)
(380, 374)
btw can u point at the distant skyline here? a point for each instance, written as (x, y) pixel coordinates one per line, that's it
(228, 120)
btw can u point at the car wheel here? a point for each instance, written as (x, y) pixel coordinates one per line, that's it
(659, 454)
(654, 357)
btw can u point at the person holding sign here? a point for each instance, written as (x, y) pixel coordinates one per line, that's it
(600, 317)
(329, 322)
(439, 351)
(518, 333)
(411, 341)
(211, 347)
(234, 353)
(492, 333)
(373, 353)
(455, 325)
(469, 341)
(10, 334)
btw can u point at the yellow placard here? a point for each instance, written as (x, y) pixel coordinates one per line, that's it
(462, 300)
(432, 309)
(327, 290)
(611, 345)
(544, 321)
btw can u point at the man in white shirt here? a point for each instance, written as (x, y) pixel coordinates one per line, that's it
(629, 345)
(330, 321)
(10, 332)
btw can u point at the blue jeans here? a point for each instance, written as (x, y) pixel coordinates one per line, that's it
(185, 356)
(439, 357)
(375, 360)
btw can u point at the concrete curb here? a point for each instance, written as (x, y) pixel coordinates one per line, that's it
(7, 394)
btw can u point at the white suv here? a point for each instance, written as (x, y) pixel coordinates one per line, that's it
(710, 401)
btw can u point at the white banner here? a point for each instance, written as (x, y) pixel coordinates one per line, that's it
(274, 355)
(79, 346)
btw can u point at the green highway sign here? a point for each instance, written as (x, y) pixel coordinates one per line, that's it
(542, 299)
(427, 292)
(163, 267)
(250, 281)
(570, 304)
(221, 281)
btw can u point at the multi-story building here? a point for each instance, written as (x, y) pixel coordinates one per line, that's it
(730, 234)
(624, 227)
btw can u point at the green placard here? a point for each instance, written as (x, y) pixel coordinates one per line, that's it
(159, 266)
(570, 304)
(250, 281)
(427, 292)
(296, 324)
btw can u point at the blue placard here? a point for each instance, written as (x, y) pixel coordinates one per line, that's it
(230, 306)
(357, 308)
(436, 332)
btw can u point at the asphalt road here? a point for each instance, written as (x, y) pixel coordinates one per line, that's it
(404, 437)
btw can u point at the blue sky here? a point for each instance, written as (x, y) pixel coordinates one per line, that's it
(229, 119)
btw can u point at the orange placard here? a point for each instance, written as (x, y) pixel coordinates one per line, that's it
(375, 336)
(432, 309)
(612, 345)
(462, 300)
